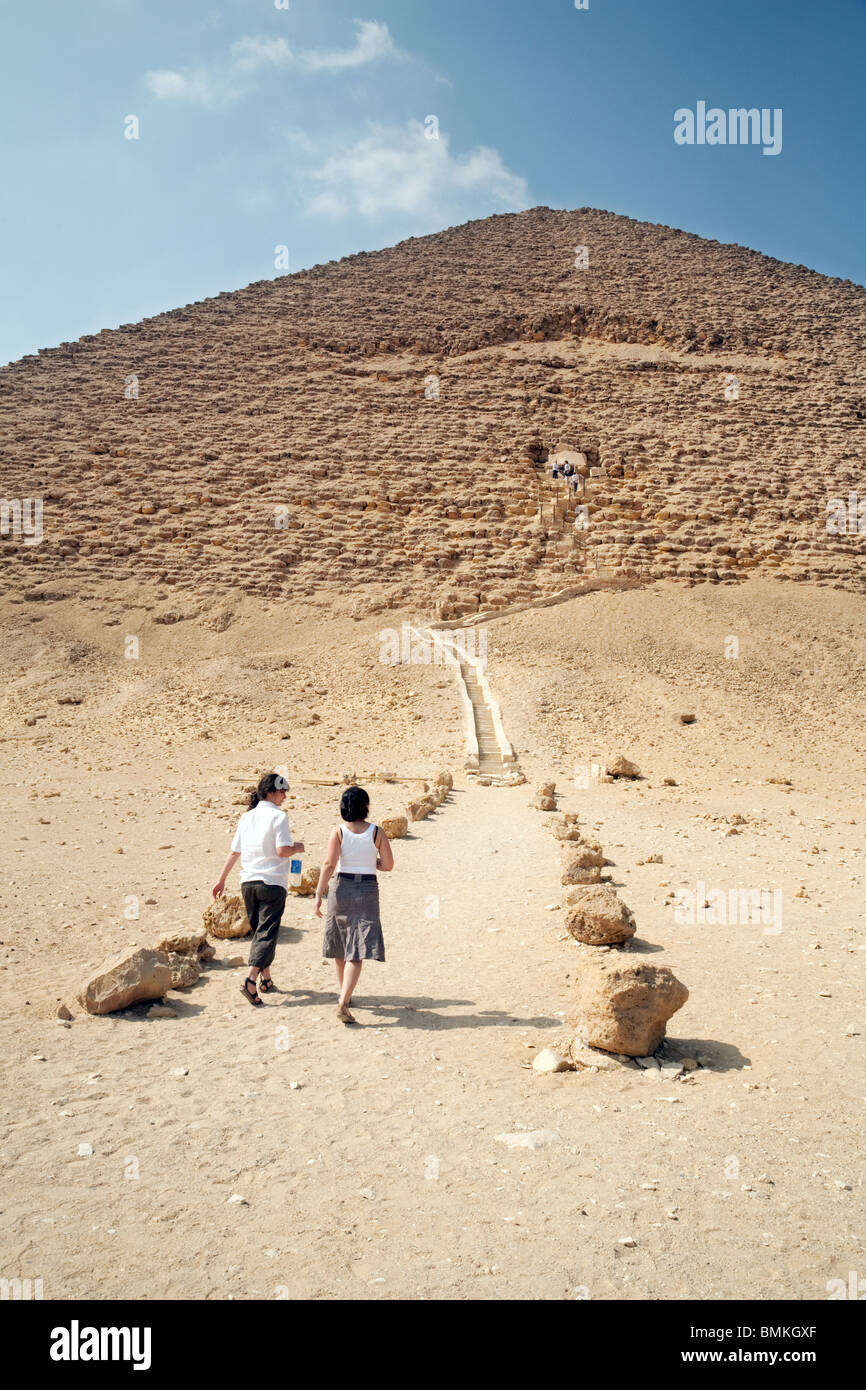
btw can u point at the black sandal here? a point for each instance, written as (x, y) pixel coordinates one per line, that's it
(251, 998)
(266, 986)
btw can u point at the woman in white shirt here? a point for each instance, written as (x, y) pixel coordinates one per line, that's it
(357, 850)
(263, 843)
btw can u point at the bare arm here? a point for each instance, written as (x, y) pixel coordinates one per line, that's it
(386, 854)
(220, 885)
(332, 859)
(286, 851)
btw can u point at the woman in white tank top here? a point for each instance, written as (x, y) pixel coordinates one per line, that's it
(357, 851)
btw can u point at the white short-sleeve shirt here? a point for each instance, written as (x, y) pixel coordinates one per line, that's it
(260, 833)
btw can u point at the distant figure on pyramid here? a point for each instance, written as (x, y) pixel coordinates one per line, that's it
(264, 845)
(357, 850)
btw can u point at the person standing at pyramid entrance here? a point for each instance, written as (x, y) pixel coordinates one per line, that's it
(357, 851)
(263, 843)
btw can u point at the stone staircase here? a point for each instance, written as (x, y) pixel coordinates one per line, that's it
(490, 762)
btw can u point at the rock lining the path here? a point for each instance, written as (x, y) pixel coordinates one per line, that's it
(597, 917)
(226, 918)
(581, 863)
(545, 797)
(620, 1008)
(395, 826)
(623, 1006)
(126, 979)
(188, 943)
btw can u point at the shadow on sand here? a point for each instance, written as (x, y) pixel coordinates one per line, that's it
(718, 1056)
(421, 1013)
(638, 947)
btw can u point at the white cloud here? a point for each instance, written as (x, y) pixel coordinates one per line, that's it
(221, 83)
(259, 52)
(372, 42)
(204, 86)
(398, 170)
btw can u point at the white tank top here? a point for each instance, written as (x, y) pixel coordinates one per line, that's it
(358, 853)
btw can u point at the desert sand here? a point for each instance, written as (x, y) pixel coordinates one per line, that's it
(419, 1155)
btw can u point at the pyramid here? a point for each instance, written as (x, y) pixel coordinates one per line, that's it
(378, 429)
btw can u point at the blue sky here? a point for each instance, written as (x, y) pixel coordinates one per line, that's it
(304, 127)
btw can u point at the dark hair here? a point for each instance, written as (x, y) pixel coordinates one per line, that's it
(271, 782)
(354, 804)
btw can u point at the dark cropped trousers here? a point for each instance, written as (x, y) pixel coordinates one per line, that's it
(265, 903)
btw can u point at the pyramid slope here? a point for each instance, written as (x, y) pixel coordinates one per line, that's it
(384, 420)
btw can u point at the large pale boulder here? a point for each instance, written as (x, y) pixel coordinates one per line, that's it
(395, 826)
(444, 779)
(596, 916)
(419, 810)
(126, 979)
(227, 918)
(624, 1007)
(581, 863)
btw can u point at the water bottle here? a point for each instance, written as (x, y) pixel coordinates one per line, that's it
(295, 874)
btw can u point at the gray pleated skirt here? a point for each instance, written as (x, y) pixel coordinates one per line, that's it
(353, 930)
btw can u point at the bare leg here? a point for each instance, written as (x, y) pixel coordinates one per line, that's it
(350, 981)
(339, 964)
